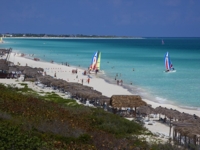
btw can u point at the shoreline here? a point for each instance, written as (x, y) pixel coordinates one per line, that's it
(97, 81)
(140, 88)
(76, 37)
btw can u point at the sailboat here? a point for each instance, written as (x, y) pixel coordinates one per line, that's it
(95, 63)
(1, 40)
(168, 64)
(163, 42)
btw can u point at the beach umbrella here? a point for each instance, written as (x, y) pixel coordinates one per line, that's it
(94, 96)
(191, 123)
(69, 87)
(4, 66)
(45, 79)
(175, 113)
(4, 51)
(126, 101)
(84, 94)
(79, 87)
(55, 82)
(22, 68)
(97, 92)
(184, 116)
(146, 110)
(171, 113)
(30, 72)
(13, 69)
(40, 69)
(192, 132)
(192, 120)
(161, 110)
(61, 84)
(103, 99)
(158, 109)
(10, 63)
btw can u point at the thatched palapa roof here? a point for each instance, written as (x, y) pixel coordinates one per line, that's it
(132, 101)
(4, 51)
(146, 110)
(3, 65)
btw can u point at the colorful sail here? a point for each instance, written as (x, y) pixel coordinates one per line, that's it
(95, 63)
(168, 63)
(163, 42)
(98, 61)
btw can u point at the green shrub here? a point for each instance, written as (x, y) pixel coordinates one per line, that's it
(30, 121)
(12, 137)
(113, 123)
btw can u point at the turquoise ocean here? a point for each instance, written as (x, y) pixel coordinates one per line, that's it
(136, 61)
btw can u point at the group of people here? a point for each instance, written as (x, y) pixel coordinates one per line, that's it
(91, 70)
(66, 64)
(119, 82)
(74, 71)
(88, 80)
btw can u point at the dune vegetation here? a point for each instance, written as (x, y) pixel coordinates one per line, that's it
(30, 120)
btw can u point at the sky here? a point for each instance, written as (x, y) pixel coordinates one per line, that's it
(139, 18)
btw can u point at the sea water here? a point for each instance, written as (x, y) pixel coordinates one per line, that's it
(138, 62)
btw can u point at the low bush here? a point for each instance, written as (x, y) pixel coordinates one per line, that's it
(32, 121)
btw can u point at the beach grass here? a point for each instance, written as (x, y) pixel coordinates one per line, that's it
(32, 121)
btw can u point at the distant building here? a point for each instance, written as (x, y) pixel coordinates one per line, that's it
(8, 35)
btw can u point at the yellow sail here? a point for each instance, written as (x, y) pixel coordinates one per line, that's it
(98, 60)
(1, 40)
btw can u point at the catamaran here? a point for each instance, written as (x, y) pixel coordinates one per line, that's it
(163, 42)
(95, 63)
(1, 40)
(168, 64)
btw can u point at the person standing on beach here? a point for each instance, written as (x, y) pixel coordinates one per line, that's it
(55, 75)
(121, 82)
(88, 80)
(82, 81)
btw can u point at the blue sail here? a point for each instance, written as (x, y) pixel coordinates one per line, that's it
(94, 61)
(168, 63)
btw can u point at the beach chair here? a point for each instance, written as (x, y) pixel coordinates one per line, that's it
(87, 103)
(150, 122)
(157, 134)
(162, 135)
(146, 121)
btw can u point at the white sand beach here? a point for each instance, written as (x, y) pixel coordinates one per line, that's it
(99, 84)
